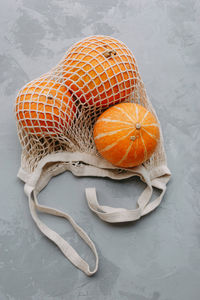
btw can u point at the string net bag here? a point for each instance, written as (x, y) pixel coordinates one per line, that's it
(55, 116)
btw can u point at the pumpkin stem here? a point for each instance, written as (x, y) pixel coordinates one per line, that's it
(50, 96)
(133, 138)
(108, 53)
(138, 126)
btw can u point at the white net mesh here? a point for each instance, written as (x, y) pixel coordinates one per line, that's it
(57, 111)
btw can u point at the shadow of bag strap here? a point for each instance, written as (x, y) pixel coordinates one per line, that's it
(64, 246)
(117, 215)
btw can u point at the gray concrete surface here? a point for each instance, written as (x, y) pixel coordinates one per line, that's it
(156, 258)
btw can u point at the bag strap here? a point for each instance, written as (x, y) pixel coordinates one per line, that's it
(159, 183)
(115, 215)
(64, 246)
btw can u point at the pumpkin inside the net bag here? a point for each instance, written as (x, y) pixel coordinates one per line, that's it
(55, 116)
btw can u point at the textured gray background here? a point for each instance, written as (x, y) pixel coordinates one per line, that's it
(156, 258)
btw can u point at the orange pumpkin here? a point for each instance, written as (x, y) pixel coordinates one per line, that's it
(44, 107)
(126, 134)
(100, 71)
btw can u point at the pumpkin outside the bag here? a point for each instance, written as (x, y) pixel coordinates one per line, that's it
(126, 134)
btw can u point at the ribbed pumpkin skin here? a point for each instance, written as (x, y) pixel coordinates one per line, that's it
(44, 107)
(97, 77)
(126, 134)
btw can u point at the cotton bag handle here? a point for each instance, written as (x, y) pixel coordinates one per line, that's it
(69, 252)
(36, 183)
(117, 215)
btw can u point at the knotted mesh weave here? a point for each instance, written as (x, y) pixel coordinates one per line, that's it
(55, 116)
(57, 111)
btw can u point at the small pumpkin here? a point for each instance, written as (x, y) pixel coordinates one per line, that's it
(45, 107)
(126, 134)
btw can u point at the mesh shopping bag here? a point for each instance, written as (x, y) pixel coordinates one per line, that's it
(55, 116)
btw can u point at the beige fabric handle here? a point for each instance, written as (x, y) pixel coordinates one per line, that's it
(60, 162)
(64, 246)
(116, 215)
(159, 183)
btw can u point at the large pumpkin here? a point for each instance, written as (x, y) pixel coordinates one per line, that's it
(100, 70)
(126, 134)
(45, 107)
